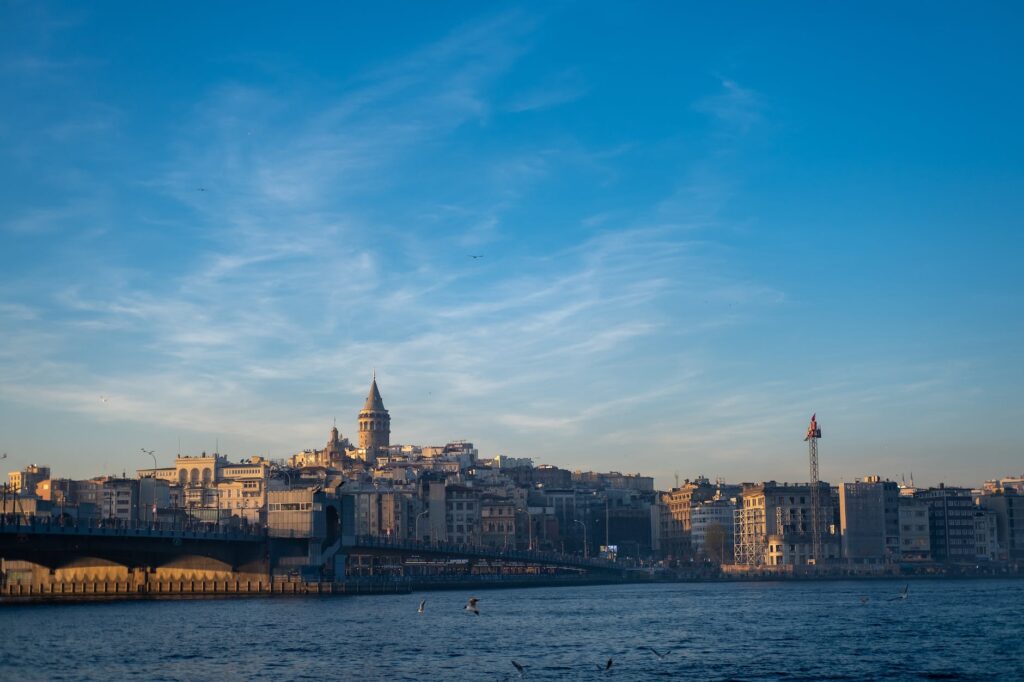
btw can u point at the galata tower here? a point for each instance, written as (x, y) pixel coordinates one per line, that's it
(374, 424)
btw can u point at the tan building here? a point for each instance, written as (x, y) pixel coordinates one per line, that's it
(333, 455)
(244, 498)
(774, 525)
(383, 512)
(675, 515)
(56, 490)
(498, 522)
(434, 527)
(462, 508)
(212, 489)
(24, 482)
(614, 479)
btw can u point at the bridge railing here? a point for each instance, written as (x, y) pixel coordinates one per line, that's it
(368, 541)
(28, 523)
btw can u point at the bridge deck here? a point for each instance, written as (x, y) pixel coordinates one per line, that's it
(46, 527)
(519, 555)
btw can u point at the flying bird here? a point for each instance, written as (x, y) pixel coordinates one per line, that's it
(471, 606)
(423, 603)
(104, 399)
(902, 595)
(200, 189)
(657, 653)
(475, 257)
(606, 667)
(3, 456)
(520, 667)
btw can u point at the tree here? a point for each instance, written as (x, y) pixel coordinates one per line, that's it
(714, 542)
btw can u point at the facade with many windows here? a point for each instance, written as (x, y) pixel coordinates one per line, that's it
(951, 523)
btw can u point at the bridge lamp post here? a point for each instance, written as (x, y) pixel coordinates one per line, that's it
(586, 545)
(150, 453)
(419, 538)
(217, 491)
(529, 527)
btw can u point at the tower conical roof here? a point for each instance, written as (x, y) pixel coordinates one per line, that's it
(373, 399)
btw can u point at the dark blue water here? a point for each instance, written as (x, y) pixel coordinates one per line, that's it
(946, 629)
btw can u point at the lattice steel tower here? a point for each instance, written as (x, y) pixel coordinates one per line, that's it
(813, 434)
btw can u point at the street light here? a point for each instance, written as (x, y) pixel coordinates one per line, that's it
(529, 525)
(419, 538)
(586, 546)
(277, 471)
(150, 453)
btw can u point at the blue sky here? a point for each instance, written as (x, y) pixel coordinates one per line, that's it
(699, 224)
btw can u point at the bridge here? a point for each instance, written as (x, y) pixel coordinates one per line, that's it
(64, 550)
(373, 545)
(48, 543)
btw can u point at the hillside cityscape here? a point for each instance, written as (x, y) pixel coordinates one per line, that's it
(450, 494)
(517, 340)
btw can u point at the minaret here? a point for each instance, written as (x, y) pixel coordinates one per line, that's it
(374, 424)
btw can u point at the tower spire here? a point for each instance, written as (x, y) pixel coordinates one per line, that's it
(373, 400)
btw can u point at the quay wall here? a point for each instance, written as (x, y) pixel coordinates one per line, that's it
(133, 588)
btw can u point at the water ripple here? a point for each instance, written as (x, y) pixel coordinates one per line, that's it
(947, 630)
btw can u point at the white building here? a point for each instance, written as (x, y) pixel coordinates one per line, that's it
(711, 513)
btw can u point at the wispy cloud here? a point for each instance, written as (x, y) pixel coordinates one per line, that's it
(735, 106)
(43, 220)
(560, 88)
(300, 283)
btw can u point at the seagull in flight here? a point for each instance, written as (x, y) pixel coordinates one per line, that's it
(657, 653)
(104, 399)
(423, 604)
(471, 606)
(475, 257)
(902, 595)
(520, 667)
(200, 189)
(606, 667)
(3, 456)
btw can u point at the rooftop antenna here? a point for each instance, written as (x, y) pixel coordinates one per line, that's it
(677, 479)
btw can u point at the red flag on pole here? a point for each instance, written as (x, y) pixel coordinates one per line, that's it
(812, 430)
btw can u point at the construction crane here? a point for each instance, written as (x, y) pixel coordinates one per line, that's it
(813, 434)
